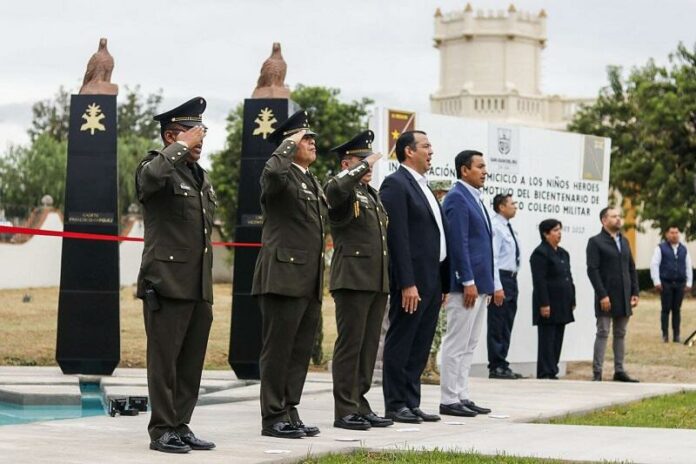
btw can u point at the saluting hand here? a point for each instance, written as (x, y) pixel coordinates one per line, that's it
(410, 299)
(297, 136)
(373, 158)
(192, 137)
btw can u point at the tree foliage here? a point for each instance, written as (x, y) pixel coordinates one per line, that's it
(29, 172)
(650, 115)
(334, 120)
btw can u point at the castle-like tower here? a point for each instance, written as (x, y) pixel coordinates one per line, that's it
(490, 68)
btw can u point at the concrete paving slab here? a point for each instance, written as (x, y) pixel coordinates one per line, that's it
(41, 394)
(235, 427)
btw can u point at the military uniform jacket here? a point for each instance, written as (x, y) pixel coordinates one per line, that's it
(359, 229)
(291, 260)
(178, 256)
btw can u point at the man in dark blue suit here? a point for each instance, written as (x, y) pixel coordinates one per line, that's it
(472, 283)
(418, 275)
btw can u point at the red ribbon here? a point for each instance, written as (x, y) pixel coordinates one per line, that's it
(109, 238)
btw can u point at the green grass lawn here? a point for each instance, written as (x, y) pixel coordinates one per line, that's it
(670, 412)
(418, 457)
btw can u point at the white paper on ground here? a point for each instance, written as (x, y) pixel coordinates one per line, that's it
(454, 423)
(276, 451)
(347, 439)
(408, 429)
(499, 416)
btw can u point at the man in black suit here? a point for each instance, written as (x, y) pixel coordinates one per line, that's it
(418, 276)
(612, 272)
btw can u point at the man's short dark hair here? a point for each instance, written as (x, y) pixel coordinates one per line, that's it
(604, 212)
(673, 226)
(499, 200)
(407, 139)
(464, 158)
(546, 226)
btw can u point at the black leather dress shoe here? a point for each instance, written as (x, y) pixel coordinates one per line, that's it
(376, 421)
(309, 430)
(196, 443)
(596, 376)
(457, 409)
(404, 415)
(169, 442)
(665, 338)
(502, 373)
(425, 416)
(282, 430)
(676, 339)
(477, 409)
(623, 377)
(352, 422)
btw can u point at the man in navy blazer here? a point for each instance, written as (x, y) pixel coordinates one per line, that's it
(470, 243)
(418, 276)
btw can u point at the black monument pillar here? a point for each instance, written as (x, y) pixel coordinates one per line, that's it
(261, 117)
(88, 306)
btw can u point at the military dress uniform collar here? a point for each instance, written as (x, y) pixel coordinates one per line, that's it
(304, 170)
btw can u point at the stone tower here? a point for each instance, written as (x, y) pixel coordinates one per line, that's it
(490, 68)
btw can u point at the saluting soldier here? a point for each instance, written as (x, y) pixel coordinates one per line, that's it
(175, 280)
(359, 281)
(288, 278)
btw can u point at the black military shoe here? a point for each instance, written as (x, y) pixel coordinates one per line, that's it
(309, 430)
(282, 430)
(425, 416)
(502, 373)
(457, 409)
(404, 415)
(676, 339)
(376, 421)
(471, 405)
(196, 443)
(596, 376)
(352, 422)
(623, 377)
(169, 442)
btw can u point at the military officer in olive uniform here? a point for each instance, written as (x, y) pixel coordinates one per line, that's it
(359, 281)
(175, 280)
(288, 278)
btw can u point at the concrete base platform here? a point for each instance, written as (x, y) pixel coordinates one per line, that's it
(234, 424)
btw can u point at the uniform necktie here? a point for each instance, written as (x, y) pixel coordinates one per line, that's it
(517, 248)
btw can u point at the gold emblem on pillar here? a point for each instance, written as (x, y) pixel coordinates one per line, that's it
(93, 116)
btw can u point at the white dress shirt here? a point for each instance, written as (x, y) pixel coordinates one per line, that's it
(434, 207)
(657, 260)
(477, 196)
(503, 248)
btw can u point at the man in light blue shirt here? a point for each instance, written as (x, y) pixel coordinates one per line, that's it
(503, 307)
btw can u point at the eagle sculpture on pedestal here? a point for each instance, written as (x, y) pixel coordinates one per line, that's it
(271, 83)
(97, 79)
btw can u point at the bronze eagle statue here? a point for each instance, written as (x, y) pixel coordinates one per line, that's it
(97, 80)
(271, 83)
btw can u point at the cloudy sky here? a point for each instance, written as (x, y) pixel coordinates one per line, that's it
(378, 49)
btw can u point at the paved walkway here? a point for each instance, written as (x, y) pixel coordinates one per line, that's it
(229, 415)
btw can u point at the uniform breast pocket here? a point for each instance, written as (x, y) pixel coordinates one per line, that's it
(183, 202)
(356, 251)
(306, 198)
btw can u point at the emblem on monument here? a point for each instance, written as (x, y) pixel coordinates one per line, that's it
(504, 141)
(264, 123)
(93, 116)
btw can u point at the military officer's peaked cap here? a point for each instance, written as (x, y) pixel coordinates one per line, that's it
(189, 114)
(360, 146)
(295, 123)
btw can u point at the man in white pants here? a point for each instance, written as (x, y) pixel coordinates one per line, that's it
(470, 249)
